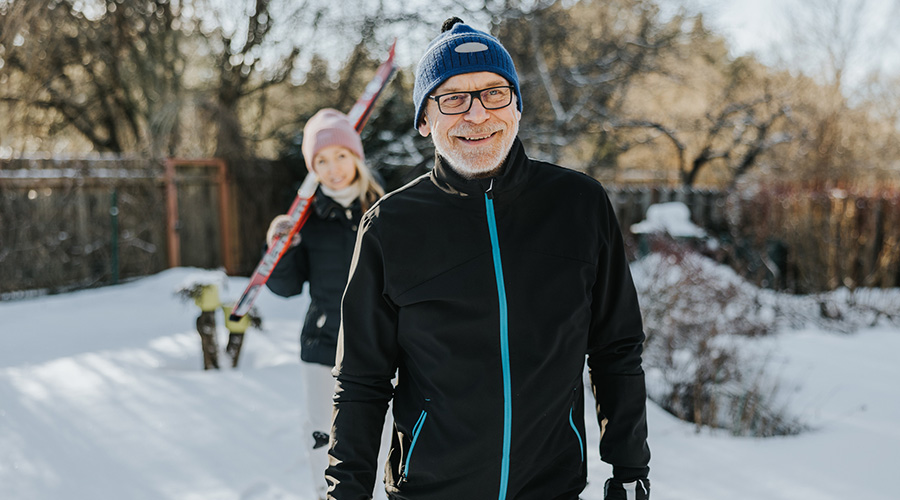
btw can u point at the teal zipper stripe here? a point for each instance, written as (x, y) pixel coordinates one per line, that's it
(504, 348)
(577, 434)
(416, 430)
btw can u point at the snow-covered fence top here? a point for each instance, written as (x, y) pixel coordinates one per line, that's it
(788, 237)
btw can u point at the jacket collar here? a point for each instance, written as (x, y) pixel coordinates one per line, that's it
(325, 206)
(508, 182)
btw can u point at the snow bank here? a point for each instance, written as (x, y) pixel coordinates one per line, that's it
(103, 397)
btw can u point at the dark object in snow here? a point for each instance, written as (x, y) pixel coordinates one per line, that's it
(321, 439)
(236, 331)
(206, 327)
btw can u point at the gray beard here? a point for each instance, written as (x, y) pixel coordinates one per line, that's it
(463, 170)
(482, 164)
(482, 174)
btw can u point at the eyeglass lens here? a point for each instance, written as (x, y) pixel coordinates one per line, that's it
(460, 102)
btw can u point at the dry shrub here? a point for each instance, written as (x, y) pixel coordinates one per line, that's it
(695, 312)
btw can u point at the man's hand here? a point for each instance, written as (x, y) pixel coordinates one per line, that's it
(280, 226)
(634, 490)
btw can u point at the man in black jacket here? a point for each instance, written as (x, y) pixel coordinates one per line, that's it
(483, 285)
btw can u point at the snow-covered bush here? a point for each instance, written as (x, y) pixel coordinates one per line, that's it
(842, 310)
(695, 311)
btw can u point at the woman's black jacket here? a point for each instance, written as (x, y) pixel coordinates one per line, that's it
(323, 259)
(485, 297)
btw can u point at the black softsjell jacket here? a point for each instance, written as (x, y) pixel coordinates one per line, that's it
(485, 297)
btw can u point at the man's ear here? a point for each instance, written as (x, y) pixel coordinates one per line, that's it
(424, 127)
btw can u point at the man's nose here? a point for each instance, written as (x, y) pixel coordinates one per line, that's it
(477, 113)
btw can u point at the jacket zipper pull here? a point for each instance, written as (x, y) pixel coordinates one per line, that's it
(490, 190)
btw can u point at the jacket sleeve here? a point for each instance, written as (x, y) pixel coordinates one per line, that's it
(290, 273)
(365, 365)
(614, 357)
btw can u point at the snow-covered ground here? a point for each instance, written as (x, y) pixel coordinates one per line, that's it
(103, 397)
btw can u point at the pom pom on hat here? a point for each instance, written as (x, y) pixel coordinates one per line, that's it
(460, 49)
(329, 127)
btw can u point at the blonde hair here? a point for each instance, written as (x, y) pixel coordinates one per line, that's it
(370, 191)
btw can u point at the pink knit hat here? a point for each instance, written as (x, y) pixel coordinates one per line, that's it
(329, 127)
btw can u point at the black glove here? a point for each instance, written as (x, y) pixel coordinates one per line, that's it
(615, 489)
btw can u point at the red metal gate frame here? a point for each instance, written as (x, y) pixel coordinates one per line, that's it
(172, 237)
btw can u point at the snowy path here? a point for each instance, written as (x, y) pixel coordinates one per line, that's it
(102, 397)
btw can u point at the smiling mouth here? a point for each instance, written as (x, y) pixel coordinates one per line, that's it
(476, 138)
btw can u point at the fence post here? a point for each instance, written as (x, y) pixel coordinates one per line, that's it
(225, 220)
(114, 238)
(174, 243)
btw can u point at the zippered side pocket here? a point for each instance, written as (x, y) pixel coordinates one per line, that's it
(575, 429)
(417, 429)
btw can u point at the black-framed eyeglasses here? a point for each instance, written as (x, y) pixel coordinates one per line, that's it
(457, 103)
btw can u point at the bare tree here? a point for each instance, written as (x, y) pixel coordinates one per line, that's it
(718, 116)
(238, 65)
(832, 40)
(575, 62)
(837, 44)
(14, 16)
(113, 74)
(735, 134)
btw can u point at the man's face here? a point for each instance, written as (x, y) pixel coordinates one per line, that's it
(475, 142)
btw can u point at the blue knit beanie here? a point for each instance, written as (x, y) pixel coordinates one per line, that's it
(460, 49)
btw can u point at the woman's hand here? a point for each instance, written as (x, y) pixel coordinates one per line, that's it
(281, 226)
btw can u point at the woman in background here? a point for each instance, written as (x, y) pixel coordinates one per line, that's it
(320, 255)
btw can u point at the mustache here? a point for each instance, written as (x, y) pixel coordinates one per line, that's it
(465, 130)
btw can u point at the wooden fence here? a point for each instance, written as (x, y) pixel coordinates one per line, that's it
(74, 223)
(803, 240)
(78, 223)
(707, 206)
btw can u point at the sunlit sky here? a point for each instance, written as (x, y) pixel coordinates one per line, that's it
(768, 28)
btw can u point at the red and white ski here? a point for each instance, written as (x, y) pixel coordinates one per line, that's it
(300, 208)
